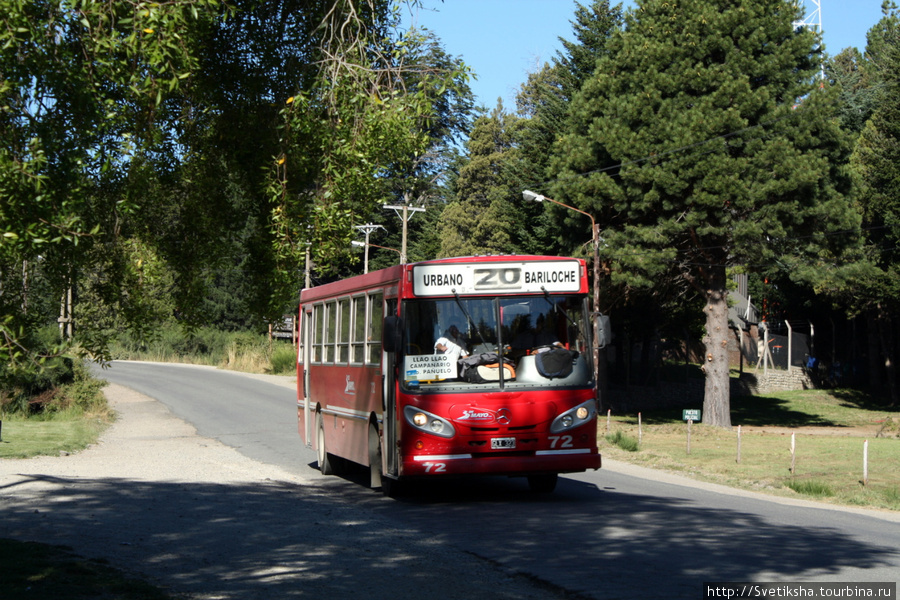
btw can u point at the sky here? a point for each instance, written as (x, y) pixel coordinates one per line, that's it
(505, 40)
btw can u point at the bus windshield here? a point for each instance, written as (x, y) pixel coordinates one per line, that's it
(444, 338)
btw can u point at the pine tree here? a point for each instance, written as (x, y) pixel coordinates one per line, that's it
(543, 103)
(704, 142)
(876, 166)
(483, 219)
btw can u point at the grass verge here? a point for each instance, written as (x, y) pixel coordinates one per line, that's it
(831, 430)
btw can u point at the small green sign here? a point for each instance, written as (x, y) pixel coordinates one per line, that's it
(692, 414)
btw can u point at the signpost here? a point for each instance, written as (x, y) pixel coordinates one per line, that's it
(690, 415)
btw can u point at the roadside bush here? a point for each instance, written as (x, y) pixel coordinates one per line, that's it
(809, 487)
(83, 396)
(25, 388)
(239, 351)
(623, 441)
(284, 359)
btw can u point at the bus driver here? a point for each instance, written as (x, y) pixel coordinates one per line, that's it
(451, 343)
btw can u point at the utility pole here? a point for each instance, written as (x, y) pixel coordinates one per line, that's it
(65, 320)
(403, 211)
(367, 229)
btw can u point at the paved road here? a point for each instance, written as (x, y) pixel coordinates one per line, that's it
(621, 532)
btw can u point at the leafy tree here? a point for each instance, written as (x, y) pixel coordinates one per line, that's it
(416, 181)
(82, 86)
(705, 142)
(154, 152)
(360, 122)
(228, 122)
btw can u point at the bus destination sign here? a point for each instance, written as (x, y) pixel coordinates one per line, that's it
(499, 277)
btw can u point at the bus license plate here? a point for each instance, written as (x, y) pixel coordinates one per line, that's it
(503, 443)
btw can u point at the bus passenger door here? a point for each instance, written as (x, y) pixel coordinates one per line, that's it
(305, 343)
(390, 448)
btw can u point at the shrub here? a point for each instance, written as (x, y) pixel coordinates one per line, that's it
(26, 387)
(809, 487)
(284, 359)
(84, 395)
(623, 441)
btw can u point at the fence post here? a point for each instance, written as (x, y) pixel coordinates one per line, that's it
(790, 344)
(640, 430)
(866, 463)
(793, 452)
(689, 436)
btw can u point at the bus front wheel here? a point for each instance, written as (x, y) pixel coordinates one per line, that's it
(326, 465)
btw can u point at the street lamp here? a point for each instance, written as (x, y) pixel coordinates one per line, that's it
(595, 233)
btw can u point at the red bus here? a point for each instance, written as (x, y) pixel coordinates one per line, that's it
(459, 366)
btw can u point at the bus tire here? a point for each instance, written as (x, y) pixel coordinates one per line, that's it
(326, 461)
(543, 484)
(391, 488)
(375, 479)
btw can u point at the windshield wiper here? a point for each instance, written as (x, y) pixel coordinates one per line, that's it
(557, 311)
(469, 319)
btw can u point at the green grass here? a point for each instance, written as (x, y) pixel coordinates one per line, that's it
(24, 438)
(31, 570)
(829, 427)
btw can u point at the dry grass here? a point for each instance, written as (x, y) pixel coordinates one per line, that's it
(828, 448)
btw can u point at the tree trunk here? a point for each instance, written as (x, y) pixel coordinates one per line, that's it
(717, 397)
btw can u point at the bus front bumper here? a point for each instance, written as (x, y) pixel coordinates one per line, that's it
(532, 463)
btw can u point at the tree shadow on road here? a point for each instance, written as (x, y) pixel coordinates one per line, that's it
(489, 537)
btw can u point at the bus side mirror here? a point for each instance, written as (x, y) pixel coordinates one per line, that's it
(604, 331)
(393, 334)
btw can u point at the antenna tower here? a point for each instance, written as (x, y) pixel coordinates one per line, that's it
(813, 20)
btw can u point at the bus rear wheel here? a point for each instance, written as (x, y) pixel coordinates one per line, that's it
(326, 465)
(543, 484)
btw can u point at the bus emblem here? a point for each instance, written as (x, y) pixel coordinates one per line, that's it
(482, 415)
(351, 387)
(477, 415)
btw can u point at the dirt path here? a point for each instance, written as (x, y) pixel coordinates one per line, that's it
(197, 517)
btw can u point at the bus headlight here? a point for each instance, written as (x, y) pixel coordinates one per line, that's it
(574, 417)
(428, 422)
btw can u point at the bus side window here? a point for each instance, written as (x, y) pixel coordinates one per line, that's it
(376, 321)
(343, 342)
(329, 326)
(358, 343)
(316, 332)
